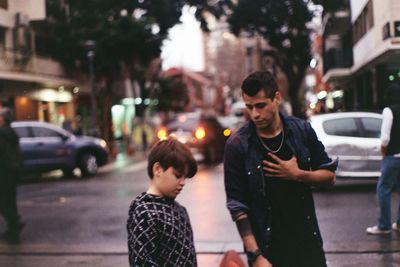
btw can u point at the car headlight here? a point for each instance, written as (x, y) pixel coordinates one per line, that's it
(102, 143)
(200, 133)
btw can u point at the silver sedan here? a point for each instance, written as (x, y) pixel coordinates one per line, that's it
(354, 137)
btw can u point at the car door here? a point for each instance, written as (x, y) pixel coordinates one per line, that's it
(50, 148)
(371, 131)
(344, 140)
(27, 145)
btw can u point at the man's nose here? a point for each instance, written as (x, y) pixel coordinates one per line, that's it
(255, 113)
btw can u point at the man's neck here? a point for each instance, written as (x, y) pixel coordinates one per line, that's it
(272, 131)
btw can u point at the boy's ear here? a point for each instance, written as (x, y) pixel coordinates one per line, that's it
(157, 169)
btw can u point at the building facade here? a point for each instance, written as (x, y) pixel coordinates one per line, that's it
(36, 88)
(362, 51)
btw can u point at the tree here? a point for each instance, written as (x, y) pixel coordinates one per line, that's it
(128, 36)
(283, 25)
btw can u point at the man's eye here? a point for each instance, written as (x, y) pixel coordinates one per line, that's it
(260, 105)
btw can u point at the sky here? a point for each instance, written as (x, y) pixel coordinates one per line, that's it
(184, 48)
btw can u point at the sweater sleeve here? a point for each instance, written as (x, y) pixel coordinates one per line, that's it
(142, 238)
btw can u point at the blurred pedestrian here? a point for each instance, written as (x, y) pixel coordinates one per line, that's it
(159, 230)
(270, 165)
(10, 166)
(390, 166)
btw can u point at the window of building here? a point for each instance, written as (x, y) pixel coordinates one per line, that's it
(364, 22)
(2, 40)
(4, 4)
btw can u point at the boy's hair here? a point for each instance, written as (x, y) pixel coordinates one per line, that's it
(172, 153)
(260, 80)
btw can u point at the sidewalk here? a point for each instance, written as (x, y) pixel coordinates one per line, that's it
(125, 162)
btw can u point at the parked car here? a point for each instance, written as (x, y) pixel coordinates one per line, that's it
(203, 134)
(354, 137)
(232, 123)
(46, 147)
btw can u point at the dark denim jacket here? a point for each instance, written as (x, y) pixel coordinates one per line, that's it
(244, 179)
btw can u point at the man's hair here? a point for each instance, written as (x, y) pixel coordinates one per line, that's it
(260, 80)
(172, 153)
(7, 114)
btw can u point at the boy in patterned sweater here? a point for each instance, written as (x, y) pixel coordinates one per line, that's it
(159, 230)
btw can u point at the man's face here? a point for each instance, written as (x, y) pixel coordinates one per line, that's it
(263, 111)
(169, 182)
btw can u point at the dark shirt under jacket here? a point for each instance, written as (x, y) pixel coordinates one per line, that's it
(159, 233)
(293, 240)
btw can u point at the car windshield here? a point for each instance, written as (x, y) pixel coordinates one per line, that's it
(185, 125)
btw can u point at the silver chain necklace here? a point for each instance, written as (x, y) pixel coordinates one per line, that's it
(269, 149)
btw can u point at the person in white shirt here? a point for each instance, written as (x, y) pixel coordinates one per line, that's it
(390, 166)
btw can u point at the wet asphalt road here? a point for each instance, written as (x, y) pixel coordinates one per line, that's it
(81, 222)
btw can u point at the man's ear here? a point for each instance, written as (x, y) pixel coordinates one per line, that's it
(278, 97)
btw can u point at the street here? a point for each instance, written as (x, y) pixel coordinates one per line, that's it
(81, 222)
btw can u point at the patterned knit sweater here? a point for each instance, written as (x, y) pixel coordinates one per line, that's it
(159, 233)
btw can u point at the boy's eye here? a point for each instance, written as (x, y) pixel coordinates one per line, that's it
(178, 175)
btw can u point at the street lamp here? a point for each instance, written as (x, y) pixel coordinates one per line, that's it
(90, 46)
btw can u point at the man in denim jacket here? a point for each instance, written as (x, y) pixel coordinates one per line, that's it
(269, 166)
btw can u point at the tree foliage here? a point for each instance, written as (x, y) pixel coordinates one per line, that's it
(126, 32)
(283, 25)
(129, 33)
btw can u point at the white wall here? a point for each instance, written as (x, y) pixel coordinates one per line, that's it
(357, 6)
(384, 11)
(35, 9)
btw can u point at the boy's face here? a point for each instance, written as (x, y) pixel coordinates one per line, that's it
(169, 183)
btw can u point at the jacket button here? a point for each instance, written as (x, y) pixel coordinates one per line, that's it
(315, 233)
(308, 217)
(248, 173)
(269, 229)
(259, 166)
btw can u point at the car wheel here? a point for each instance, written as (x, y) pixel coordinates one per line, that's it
(88, 164)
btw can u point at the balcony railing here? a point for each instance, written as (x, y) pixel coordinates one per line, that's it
(29, 62)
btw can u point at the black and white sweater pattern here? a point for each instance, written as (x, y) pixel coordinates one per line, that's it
(159, 233)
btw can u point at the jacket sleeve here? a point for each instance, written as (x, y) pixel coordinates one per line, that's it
(319, 158)
(142, 239)
(236, 186)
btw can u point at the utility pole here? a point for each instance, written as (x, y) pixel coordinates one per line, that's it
(90, 46)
